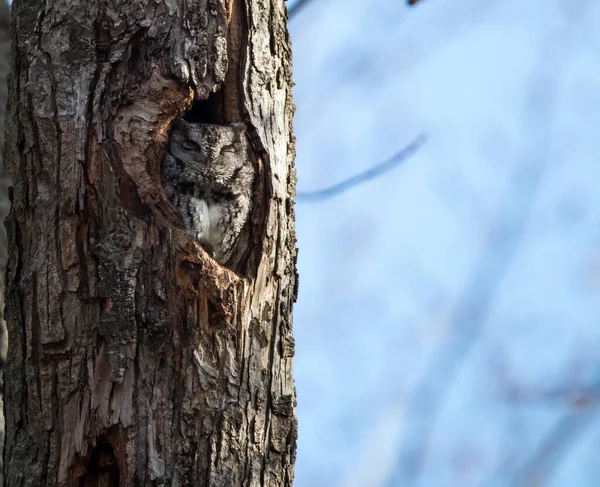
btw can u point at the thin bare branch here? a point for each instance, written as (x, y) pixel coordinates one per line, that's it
(358, 179)
(296, 7)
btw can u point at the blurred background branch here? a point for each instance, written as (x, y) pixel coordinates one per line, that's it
(502, 244)
(488, 243)
(296, 7)
(365, 176)
(555, 446)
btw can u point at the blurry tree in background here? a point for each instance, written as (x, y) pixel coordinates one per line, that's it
(503, 240)
(135, 359)
(457, 342)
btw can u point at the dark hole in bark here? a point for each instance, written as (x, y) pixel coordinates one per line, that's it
(206, 111)
(137, 55)
(212, 309)
(103, 469)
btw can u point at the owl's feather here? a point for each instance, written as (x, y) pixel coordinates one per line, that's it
(207, 174)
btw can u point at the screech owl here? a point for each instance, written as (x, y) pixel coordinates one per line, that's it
(208, 174)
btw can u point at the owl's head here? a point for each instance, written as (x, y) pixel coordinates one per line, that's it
(215, 153)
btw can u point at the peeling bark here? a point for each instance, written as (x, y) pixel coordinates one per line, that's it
(135, 359)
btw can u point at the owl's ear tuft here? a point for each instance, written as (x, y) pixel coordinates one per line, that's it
(238, 127)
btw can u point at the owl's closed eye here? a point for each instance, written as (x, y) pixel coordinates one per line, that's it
(190, 145)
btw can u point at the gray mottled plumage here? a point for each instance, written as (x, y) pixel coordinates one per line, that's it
(207, 174)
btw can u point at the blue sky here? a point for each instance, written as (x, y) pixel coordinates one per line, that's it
(470, 275)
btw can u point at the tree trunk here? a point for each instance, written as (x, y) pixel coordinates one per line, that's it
(135, 359)
(4, 201)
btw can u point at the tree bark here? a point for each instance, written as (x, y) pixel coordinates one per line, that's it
(4, 201)
(135, 359)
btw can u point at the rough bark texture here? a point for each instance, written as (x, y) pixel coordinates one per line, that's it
(4, 201)
(135, 359)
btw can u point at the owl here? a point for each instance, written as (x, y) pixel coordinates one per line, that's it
(208, 174)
